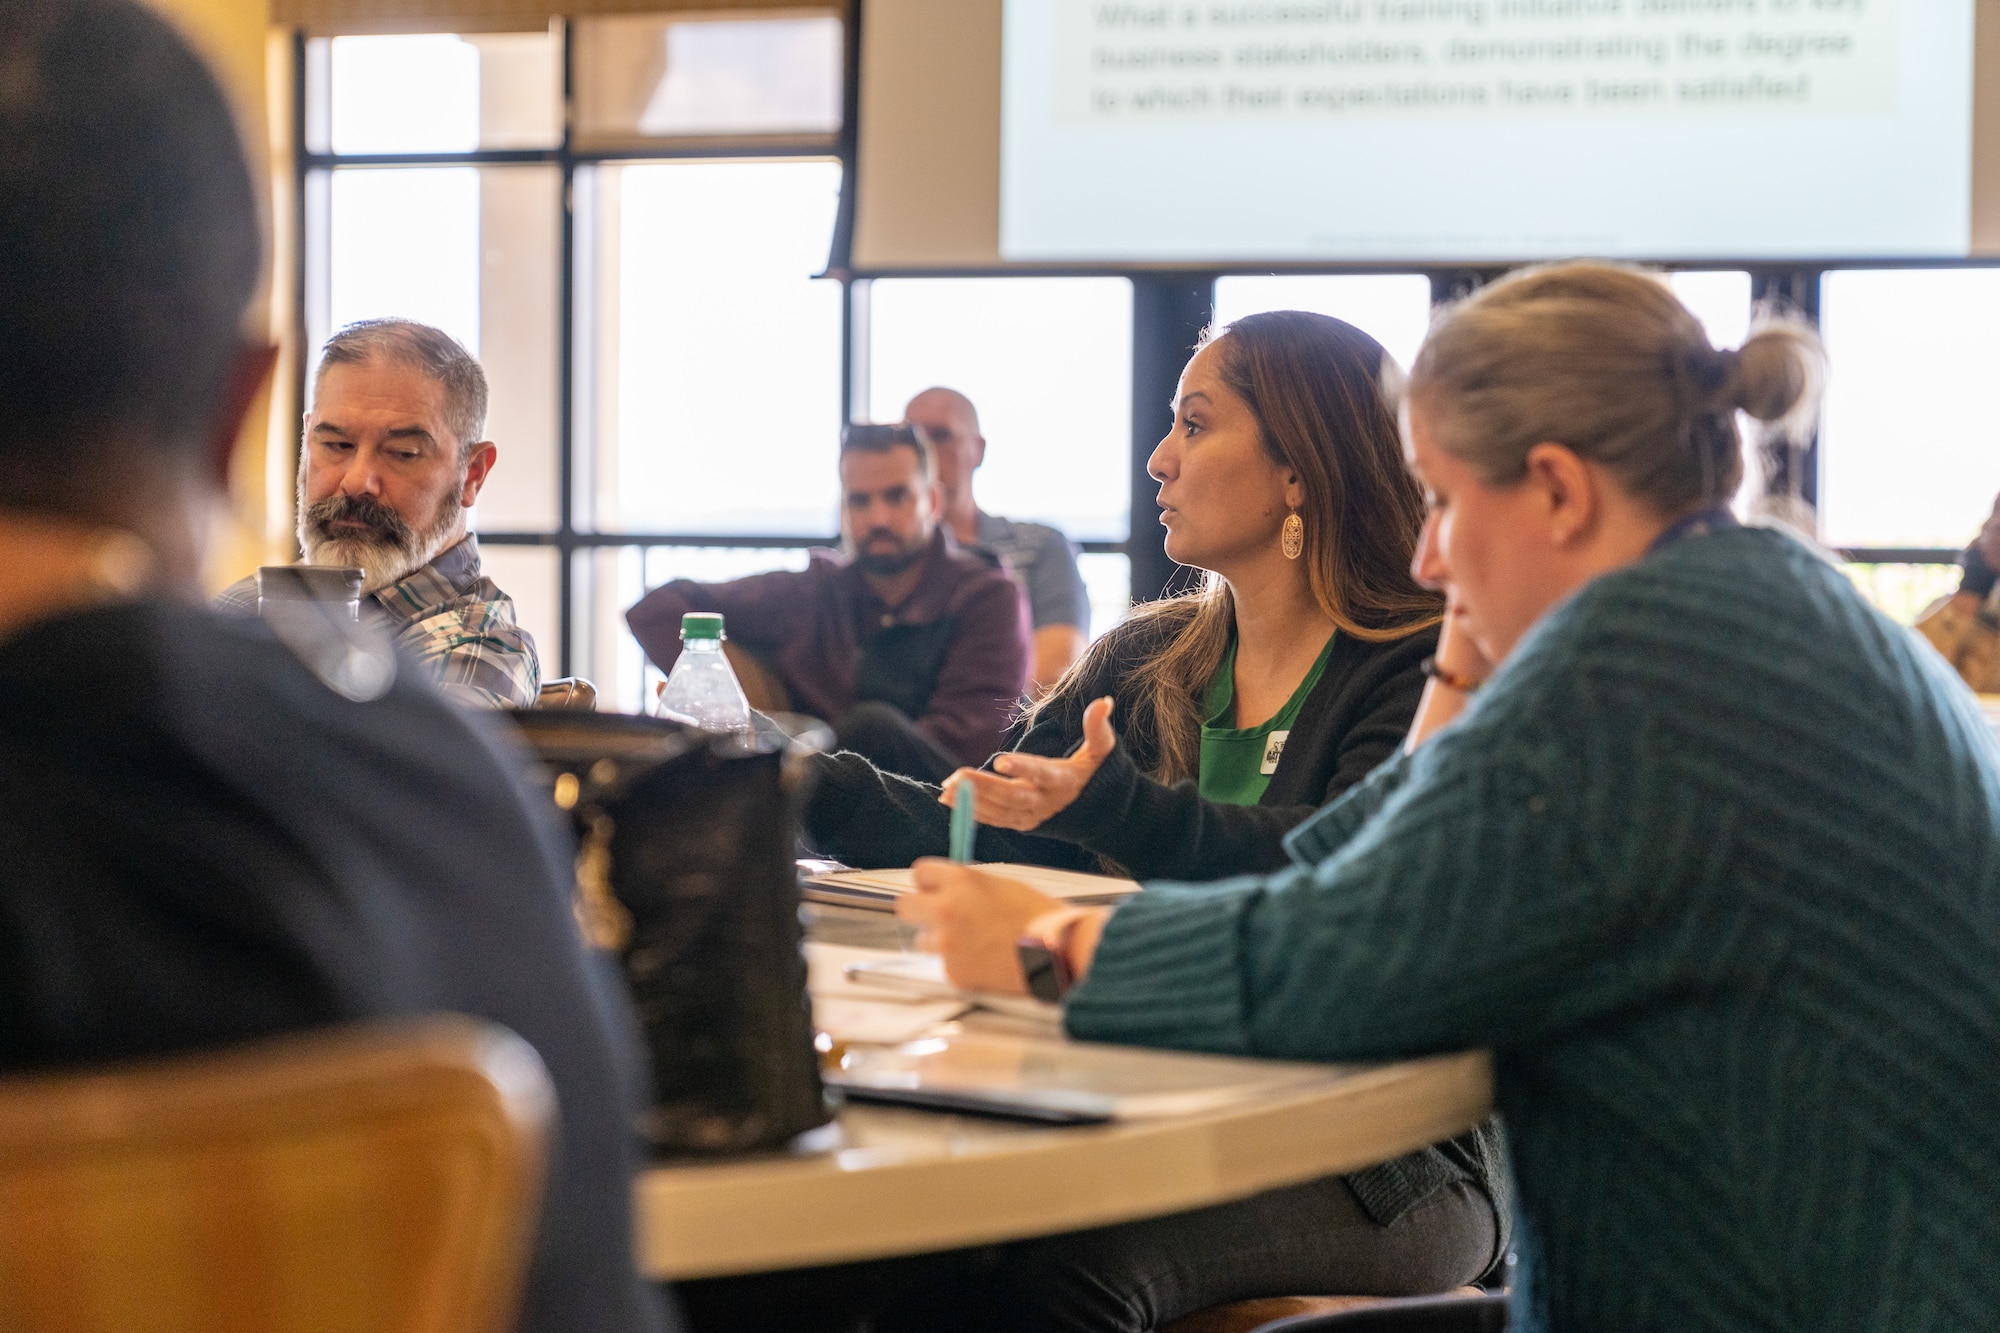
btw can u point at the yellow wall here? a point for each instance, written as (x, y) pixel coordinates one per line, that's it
(254, 64)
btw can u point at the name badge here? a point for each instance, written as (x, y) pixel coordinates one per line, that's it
(1274, 750)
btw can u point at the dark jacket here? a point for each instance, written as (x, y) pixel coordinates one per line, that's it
(953, 657)
(1354, 719)
(200, 844)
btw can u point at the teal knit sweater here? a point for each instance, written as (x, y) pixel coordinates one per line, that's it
(1713, 866)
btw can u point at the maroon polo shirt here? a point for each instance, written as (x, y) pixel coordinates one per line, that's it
(953, 657)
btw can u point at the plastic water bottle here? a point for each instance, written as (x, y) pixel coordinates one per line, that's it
(702, 690)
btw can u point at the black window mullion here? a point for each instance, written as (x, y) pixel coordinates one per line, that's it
(566, 373)
(1169, 312)
(1792, 291)
(300, 232)
(1898, 555)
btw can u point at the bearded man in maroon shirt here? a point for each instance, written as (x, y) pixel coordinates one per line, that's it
(916, 650)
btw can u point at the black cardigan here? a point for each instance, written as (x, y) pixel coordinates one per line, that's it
(1355, 717)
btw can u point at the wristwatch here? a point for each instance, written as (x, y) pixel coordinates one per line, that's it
(1043, 950)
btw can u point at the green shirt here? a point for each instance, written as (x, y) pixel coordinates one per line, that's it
(1237, 762)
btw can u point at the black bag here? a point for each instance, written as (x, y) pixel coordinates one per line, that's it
(686, 869)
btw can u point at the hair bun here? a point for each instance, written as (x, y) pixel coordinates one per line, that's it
(1776, 374)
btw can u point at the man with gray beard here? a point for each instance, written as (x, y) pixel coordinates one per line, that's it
(392, 458)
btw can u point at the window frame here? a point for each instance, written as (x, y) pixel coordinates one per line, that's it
(569, 540)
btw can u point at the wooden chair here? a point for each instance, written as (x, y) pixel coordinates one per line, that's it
(1467, 1310)
(571, 692)
(382, 1178)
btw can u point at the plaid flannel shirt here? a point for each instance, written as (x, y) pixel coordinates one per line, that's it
(455, 623)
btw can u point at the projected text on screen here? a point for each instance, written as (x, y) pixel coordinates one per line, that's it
(1473, 129)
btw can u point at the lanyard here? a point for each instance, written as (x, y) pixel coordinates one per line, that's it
(1715, 518)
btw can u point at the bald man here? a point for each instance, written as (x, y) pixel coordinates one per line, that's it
(1040, 556)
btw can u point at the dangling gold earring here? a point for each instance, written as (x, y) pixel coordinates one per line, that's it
(1292, 537)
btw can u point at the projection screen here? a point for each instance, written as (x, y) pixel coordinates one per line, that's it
(1111, 133)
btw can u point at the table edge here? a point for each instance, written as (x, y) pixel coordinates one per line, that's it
(715, 1220)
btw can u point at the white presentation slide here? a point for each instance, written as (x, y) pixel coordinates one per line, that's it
(1485, 129)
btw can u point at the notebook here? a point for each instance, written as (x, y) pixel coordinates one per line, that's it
(847, 1007)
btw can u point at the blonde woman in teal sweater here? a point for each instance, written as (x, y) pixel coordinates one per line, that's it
(1705, 849)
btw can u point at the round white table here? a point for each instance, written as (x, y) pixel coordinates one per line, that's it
(882, 1181)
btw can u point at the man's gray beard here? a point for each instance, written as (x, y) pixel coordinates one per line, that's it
(382, 563)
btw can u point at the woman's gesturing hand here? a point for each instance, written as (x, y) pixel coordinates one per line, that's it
(1028, 790)
(975, 918)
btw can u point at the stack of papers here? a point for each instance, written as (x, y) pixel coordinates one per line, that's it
(878, 996)
(879, 889)
(921, 976)
(892, 1015)
(849, 1008)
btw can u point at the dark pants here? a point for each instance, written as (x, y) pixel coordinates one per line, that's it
(1310, 1239)
(881, 734)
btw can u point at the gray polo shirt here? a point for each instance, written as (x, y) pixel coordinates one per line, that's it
(1045, 562)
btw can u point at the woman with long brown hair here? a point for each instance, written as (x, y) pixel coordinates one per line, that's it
(1190, 739)
(1242, 707)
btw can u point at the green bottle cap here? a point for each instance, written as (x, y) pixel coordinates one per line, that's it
(701, 625)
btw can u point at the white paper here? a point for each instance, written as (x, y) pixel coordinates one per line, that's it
(921, 976)
(878, 1022)
(852, 1010)
(1068, 885)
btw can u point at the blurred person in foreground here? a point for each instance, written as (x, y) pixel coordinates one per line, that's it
(1702, 846)
(1965, 626)
(1041, 557)
(915, 650)
(391, 460)
(201, 842)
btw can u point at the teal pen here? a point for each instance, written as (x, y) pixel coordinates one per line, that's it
(963, 822)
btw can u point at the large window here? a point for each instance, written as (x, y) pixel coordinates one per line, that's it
(628, 218)
(1395, 308)
(1910, 452)
(1048, 364)
(618, 576)
(1720, 299)
(644, 78)
(474, 251)
(638, 279)
(1909, 448)
(718, 354)
(1392, 308)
